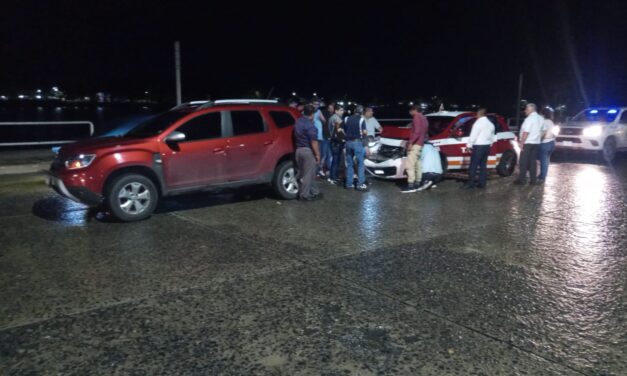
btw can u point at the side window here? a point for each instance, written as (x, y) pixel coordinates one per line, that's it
(623, 118)
(247, 122)
(282, 119)
(465, 124)
(202, 127)
(497, 126)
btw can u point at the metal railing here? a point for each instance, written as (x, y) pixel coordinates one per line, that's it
(29, 133)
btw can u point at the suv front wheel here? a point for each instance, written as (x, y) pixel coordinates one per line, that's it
(284, 182)
(131, 197)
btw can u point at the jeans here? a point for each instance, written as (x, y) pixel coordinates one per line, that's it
(355, 149)
(479, 159)
(528, 163)
(325, 154)
(544, 156)
(337, 151)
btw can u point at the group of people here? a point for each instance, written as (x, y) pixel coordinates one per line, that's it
(537, 142)
(326, 139)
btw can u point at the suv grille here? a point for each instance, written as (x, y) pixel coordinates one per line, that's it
(571, 131)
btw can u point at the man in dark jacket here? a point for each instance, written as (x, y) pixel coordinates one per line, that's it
(307, 155)
(355, 130)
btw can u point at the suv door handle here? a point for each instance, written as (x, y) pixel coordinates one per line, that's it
(218, 150)
(266, 143)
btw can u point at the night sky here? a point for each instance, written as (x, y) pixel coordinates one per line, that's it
(466, 52)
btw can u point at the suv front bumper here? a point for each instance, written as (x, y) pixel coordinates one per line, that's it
(578, 143)
(75, 193)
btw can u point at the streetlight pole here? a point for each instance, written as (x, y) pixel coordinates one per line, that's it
(177, 71)
(520, 85)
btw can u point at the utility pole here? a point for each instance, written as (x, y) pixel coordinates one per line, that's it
(177, 70)
(520, 86)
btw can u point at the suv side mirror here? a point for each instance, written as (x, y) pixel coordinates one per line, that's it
(175, 137)
(457, 133)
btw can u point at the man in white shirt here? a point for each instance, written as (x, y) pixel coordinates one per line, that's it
(531, 133)
(372, 124)
(480, 142)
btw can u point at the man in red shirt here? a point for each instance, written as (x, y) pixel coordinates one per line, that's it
(419, 128)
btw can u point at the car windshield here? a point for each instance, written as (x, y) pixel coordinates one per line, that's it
(437, 124)
(597, 115)
(155, 125)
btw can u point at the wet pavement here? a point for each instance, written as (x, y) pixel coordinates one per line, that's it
(504, 281)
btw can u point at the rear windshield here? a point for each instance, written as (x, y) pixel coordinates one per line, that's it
(597, 115)
(437, 124)
(155, 125)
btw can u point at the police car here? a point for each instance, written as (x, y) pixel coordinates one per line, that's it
(448, 132)
(600, 129)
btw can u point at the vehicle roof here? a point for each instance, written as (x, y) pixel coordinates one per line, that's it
(449, 113)
(205, 104)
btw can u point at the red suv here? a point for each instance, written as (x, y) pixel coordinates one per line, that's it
(193, 147)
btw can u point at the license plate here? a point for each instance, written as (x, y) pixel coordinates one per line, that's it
(567, 143)
(379, 172)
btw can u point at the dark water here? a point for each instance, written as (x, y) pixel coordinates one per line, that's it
(106, 117)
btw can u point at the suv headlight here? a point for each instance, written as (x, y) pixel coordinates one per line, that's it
(80, 161)
(593, 131)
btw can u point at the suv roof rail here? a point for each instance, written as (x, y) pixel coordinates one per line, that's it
(190, 104)
(246, 101)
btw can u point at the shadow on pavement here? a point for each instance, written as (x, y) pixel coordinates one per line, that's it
(62, 210)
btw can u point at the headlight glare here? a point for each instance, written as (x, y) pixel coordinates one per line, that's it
(80, 161)
(593, 131)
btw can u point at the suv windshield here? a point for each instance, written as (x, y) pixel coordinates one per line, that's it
(155, 125)
(597, 115)
(437, 124)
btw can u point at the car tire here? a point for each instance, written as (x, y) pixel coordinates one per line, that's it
(507, 164)
(284, 181)
(131, 197)
(609, 149)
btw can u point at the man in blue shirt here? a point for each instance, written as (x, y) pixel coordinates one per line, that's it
(307, 155)
(355, 131)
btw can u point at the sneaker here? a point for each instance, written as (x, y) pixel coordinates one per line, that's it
(322, 174)
(426, 185)
(350, 186)
(362, 187)
(433, 186)
(409, 188)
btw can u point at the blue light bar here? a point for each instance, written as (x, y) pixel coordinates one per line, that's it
(612, 111)
(594, 111)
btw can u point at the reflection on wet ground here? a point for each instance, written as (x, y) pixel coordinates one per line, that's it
(506, 280)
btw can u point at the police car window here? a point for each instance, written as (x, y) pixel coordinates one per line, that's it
(437, 124)
(467, 126)
(202, 127)
(497, 125)
(623, 118)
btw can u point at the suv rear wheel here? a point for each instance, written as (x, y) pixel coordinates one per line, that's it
(507, 164)
(284, 182)
(131, 197)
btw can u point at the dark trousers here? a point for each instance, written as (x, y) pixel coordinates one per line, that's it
(528, 163)
(337, 151)
(306, 177)
(479, 160)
